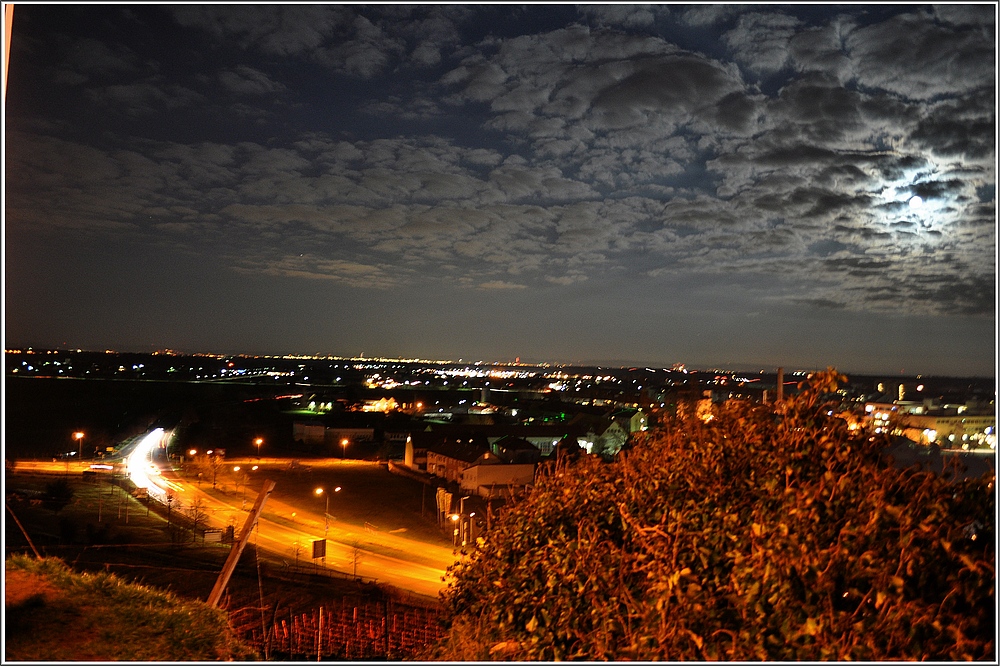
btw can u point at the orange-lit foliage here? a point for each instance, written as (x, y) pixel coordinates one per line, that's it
(765, 534)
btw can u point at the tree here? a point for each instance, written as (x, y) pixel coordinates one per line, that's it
(761, 533)
(57, 495)
(199, 515)
(216, 459)
(356, 555)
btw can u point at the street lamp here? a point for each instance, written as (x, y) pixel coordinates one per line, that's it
(326, 513)
(257, 442)
(343, 448)
(244, 478)
(78, 436)
(461, 513)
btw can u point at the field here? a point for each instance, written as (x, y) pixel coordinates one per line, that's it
(369, 494)
(103, 527)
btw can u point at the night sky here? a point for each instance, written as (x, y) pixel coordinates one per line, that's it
(725, 186)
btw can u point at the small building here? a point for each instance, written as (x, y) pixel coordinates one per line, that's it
(515, 450)
(452, 456)
(334, 437)
(310, 432)
(602, 436)
(951, 430)
(330, 431)
(484, 479)
(631, 420)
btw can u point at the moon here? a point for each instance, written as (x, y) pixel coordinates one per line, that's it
(916, 202)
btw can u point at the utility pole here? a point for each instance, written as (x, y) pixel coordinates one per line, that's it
(241, 542)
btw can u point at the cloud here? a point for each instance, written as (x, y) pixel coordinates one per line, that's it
(499, 285)
(360, 41)
(90, 59)
(916, 58)
(820, 49)
(623, 16)
(568, 279)
(274, 29)
(246, 80)
(349, 273)
(145, 98)
(761, 41)
(963, 129)
(555, 157)
(703, 15)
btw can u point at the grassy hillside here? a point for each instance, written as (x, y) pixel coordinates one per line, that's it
(54, 614)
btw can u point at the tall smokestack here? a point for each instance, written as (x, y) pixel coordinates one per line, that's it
(781, 384)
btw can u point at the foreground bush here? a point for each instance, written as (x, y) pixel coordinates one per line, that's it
(763, 534)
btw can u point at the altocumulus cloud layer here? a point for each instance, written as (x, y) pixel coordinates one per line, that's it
(818, 163)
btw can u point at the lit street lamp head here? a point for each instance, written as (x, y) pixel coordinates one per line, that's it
(326, 512)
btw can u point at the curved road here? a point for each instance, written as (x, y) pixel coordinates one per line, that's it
(407, 563)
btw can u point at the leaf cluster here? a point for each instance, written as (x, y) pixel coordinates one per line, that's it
(765, 533)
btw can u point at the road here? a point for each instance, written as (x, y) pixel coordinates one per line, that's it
(286, 531)
(289, 531)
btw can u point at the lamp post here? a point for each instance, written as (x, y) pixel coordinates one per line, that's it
(242, 477)
(343, 448)
(78, 436)
(461, 513)
(257, 442)
(326, 513)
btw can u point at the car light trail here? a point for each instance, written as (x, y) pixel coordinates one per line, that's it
(139, 464)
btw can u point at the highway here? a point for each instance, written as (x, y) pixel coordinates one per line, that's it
(288, 531)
